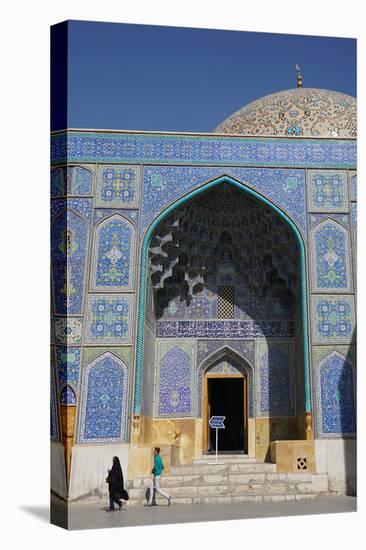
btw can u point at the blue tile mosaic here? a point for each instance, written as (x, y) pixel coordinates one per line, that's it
(74, 180)
(83, 207)
(244, 348)
(68, 330)
(69, 245)
(118, 186)
(337, 395)
(76, 146)
(223, 329)
(103, 408)
(109, 319)
(68, 365)
(239, 354)
(330, 248)
(163, 184)
(354, 188)
(333, 318)
(67, 396)
(275, 383)
(327, 191)
(54, 434)
(341, 219)
(174, 383)
(101, 213)
(113, 255)
(354, 216)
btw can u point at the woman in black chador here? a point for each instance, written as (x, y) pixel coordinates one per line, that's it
(115, 482)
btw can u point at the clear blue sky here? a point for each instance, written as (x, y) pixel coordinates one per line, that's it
(142, 77)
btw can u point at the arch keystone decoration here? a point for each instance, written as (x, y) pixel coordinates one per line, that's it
(143, 268)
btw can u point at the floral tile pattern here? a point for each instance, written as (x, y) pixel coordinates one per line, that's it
(118, 186)
(275, 379)
(330, 247)
(175, 383)
(162, 184)
(112, 267)
(109, 319)
(69, 245)
(75, 146)
(103, 409)
(71, 180)
(68, 365)
(333, 318)
(327, 191)
(336, 395)
(68, 330)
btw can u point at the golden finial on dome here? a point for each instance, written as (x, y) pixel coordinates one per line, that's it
(299, 77)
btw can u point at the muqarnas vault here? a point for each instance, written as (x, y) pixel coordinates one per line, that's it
(192, 272)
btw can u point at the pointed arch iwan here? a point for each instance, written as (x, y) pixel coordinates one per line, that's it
(143, 266)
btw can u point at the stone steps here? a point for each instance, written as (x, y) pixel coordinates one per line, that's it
(207, 468)
(226, 483)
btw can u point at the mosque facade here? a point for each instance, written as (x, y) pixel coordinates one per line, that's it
(206, 274)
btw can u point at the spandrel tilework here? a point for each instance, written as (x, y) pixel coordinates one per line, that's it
(103, 400)
(109, 319)
(162, 184)
(113, 255)
(331, 251)
(336, 376)
(83, 207)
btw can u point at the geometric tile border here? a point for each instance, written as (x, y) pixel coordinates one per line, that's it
(333, 319)
(79, 146)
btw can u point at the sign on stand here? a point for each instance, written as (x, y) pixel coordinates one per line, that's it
(217, 423)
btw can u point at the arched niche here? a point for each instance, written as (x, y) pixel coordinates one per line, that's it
(103, 400)
(113, 254)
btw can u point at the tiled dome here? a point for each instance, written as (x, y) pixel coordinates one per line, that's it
(300, 112)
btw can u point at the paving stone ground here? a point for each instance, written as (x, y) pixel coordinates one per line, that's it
(95, 516)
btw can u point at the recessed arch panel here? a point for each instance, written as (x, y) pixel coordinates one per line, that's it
(143, 271)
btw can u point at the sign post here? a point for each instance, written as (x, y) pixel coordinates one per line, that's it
(217, 422)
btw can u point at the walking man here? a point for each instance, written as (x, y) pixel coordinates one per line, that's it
(157, 470)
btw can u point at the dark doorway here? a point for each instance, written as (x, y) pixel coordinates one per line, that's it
(226, 398)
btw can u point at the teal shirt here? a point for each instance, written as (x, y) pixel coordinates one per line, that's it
(158, 465)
